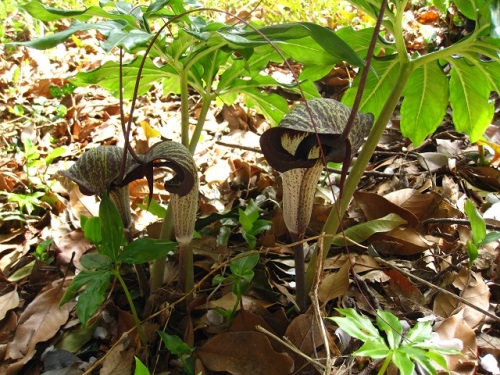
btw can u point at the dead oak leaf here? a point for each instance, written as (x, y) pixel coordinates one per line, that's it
(39, 322)
(243, 353)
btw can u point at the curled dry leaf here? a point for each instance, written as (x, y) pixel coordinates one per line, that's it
(243, 353)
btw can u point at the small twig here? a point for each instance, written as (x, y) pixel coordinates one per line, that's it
(465, 222)
(234, 145)
(293, 348)
(444, 291)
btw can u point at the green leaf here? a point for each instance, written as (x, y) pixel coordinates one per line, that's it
(140, 368)
(153, 207)
(378, 86)
(373, 348)
(249, 215)
(104, 27)
(356, 325)
(111, 228)
(477, 223)
(439, 359)
(425, 102)
(92, 230)
(55, 153)
(84, 277)
(174, 344)
(358, 40)
(145, 249)
(467, 8)
(93, 296)
(361, 232)
(419, 333)
(403, 362)
(391, 325)
(44, 13)
(107, 76)
(472, 111)
(272, 106)
(241, 265)
(490, 237)
(130, 40)
(421, 357)
(96, 261)
(250, 239)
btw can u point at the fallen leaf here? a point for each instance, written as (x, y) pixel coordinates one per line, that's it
(375, 206)
(118, 361)
(39, 322)
(335, 284)
(304, 333)
(243, 353)
(455, 327)
(9, 300)
(399, 284)
(400, 241)
(474, 290)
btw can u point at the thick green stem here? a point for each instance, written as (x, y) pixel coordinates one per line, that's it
(159, 264)
(207, 100)
(183, 77)
(387, 362)
(333, 221)
(132, 307)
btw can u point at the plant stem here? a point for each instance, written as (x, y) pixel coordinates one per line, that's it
(183, 77)
(333, 221)
(186, 270)
(159, 263)
(207, 100)
(132, 306)
(300, 272)
(387, 362)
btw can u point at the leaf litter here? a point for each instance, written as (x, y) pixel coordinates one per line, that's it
(422, 186)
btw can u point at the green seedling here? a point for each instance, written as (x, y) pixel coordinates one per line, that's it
(388, 342)
(42, 251)
(107, 233)
(240, 279)
(179, 348)
(35, 193)
(251, 225)
(478, 229)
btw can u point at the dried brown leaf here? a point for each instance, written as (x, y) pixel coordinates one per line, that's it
(304, 333)
(118, 361)
(9, 300)
(335, 284)
(40, 321)
(243, 353)
(455, 327)
(473, 289)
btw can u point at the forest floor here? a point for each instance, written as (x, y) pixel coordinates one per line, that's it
(418, 270)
